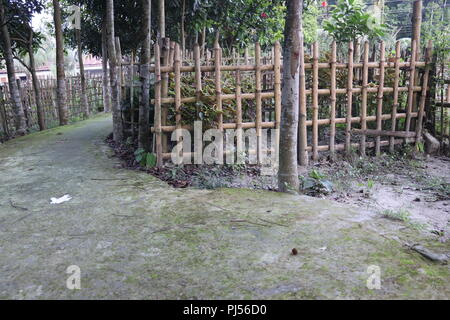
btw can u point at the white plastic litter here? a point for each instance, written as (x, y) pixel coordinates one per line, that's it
(64, 198)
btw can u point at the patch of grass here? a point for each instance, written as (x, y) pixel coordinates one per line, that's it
(404, 216)
(400, 215)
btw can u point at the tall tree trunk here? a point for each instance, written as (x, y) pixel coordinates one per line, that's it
(61, 98)
(106, 89)
(36, 87)
(288, 172)
(183, 36)
(202, 49)
(20, 121)
(162, 19)
(144, 137)
(84, 100)
(416, 20)
(115, 90)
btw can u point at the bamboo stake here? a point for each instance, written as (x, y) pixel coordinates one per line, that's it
(218, 86)
(411, 85)
(424, 94)
(198, 76)
(315, 102)
(349, 98)
(302, 129)
(380, 99)
(239, 143)
(258, 101)
(395, 104)
(158, 114)
(177, 64)
(133, 133)
(165, 44)
(333, 100)
(218, 78)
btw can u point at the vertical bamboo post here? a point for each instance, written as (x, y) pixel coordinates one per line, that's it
(302, 130)
(412, 72)
(239, 114)
(164, 48)
(277, 90)
(349, 99)
(198, 77)
(171, 53)
(177, 68)
(218, 86)
(132, 111)
(315, 102)
(333, 99)
(258, 101)
(365, 81)
(423, 94)
(380, 99)
(158, 113)
(395, 104)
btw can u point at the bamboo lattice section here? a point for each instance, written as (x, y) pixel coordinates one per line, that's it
(347, 112)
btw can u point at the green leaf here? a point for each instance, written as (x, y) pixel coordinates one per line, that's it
(150, 160)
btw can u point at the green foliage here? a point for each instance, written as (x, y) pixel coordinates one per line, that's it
(241, 22)
(350, 21)
(437, 29)
(316, 184)
(205, 109)
(145, 159)
(310, 23)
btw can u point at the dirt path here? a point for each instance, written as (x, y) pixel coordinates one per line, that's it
(134, 237)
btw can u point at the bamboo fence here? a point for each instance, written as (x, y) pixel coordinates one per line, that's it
(47, 93)
(384, 125)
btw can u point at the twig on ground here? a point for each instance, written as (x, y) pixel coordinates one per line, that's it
(16, 206)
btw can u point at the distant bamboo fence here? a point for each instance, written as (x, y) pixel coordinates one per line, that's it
(359, 122)
(48, 100)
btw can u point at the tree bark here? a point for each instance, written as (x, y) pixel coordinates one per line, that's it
(106, 90)
(416, 21)
(36, 87)
(115, 90)
(84, 100)
(144, 132)
(20, 121)
(61, 98)
(288, 172)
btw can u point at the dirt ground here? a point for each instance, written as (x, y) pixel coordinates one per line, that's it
(134, 236)
(417, 189)
(407, 186)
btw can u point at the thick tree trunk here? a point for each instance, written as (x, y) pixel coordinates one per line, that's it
(144, 137)
(20, 121)
(36, 88)
(61, 98)
(288, 173)
(84, 100)
(162, 19)
(115, 90)
(106, 90)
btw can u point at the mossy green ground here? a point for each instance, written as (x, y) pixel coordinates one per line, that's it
(135, 237)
